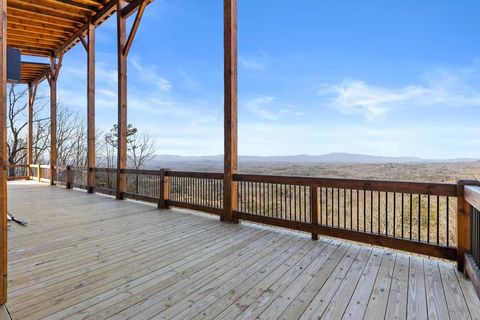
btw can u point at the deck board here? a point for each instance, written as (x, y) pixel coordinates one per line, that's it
(91, 257)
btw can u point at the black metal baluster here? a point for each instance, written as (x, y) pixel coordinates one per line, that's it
(448, 222)
(428, 218)
(419, 217)
(371, 211)
(394, 213)
(326, 206)
(402, 214)
(321, 205)
(338, 208)
(351, 209)
(411, 214)
(333, 205)
(358, 208)
(344, 208)
(305, 203)
(386, 213)
(438, 220)
(379, 209)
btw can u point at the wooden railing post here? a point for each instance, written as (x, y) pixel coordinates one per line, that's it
(39, 170)
(69, 182)
(164, 190)
(314, 209)
(463, 225)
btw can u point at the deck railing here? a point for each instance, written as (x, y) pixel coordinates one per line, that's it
(17, 171)
(195, 190)
(472, 213)
(417, 217)
(40, 172)
(106, 180)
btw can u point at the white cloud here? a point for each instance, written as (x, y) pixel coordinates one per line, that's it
(356, 96)
(253, 62)
(267, 108)
(258, 106)
(438, 88)
(150, 74)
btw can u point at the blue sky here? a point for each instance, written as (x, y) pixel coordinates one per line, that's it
(382, 77)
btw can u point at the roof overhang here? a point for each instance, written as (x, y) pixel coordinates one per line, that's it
(34, 72)
(48, 28)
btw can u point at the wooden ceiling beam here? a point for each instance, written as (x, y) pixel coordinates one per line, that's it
(106, 11)
(134, 29)
(32, 40)
(51, 27)
(132, 7)
(34, 34)
(81, 5)
(26, 14)
(36, 6)
(26, 44)
(26, 23)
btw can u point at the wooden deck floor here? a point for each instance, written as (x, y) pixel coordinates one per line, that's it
(92, 257)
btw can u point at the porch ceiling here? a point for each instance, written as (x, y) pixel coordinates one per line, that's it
(51, 27)
(33, 72)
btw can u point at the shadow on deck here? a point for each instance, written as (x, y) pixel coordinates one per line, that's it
(92, 257)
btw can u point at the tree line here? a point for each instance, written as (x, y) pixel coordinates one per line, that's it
(71, 135)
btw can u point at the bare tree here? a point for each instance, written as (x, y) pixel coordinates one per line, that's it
(16, 123)
(141, 149)
(71, 138)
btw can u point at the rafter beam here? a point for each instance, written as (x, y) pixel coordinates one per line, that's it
(132, 6)
(106, 11)
(134, 29)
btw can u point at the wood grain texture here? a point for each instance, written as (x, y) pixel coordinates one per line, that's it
(3, 152)
(91, 158)
(85, 256)
(122, 104)
(230, 109)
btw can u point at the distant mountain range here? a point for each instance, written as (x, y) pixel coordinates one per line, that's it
(302, 158)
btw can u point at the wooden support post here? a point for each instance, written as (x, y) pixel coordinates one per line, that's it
(39, 170)
(53, 130)
(3, 152)
(164, 190)
(463, 225)
(123, 47)
(69, 182)
(52, 76)
(230, 110)
(32, 90)
(122, 103)
(91, 108)
(314, 209)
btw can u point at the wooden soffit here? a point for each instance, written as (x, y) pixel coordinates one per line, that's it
(34, 72)
(48, 28)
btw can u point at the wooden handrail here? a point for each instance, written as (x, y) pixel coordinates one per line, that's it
(439, 189)
(141, 171)
(110, 170)
(470, 253)
(17, 166)
(201, 175)
(472, 196)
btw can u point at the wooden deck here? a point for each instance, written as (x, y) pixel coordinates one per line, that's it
(92, 257)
